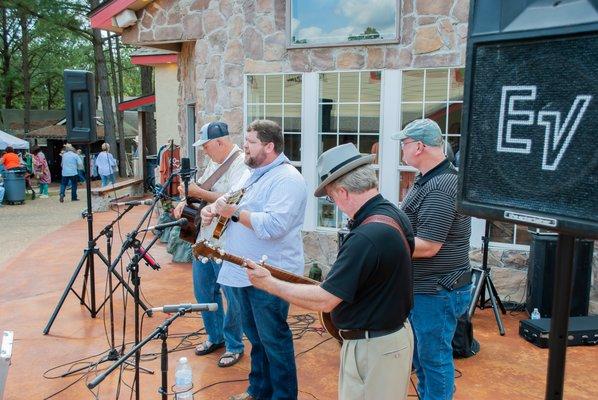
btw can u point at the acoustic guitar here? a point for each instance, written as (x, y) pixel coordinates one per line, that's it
(233, 198)
(204, 249)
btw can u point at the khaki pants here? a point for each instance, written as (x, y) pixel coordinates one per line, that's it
(376, 369)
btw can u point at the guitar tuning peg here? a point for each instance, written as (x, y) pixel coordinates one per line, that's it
(204, 260)
(218, 261)
(221, 252)
(263, 259)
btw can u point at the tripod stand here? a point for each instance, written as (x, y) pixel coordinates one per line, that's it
(484, 284)
(88, 259)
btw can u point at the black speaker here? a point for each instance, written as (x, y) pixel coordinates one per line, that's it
(540, 275)
(79, 98)
(528, 152)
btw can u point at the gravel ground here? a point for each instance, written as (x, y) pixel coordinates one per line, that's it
(20, 225)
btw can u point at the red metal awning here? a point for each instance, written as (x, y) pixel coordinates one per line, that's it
(143, 103)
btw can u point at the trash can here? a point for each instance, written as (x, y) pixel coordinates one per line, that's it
(14, 183)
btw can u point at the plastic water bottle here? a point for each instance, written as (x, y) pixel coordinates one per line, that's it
(183, 380)
(535, 314)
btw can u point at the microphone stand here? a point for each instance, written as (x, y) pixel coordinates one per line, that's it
(162, 331)
(113, 354)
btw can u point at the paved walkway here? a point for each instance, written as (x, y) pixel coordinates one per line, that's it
(20, 225)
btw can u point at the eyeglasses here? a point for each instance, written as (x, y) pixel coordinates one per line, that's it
(404, 143)
(329, 199)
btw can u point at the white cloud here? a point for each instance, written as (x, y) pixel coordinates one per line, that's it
(310, 33)
(295, 24)
(380, 14)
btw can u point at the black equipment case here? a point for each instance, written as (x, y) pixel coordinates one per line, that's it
(582, 331)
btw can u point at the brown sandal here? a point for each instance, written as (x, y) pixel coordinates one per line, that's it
(234, 357)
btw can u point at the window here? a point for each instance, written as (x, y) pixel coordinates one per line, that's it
(278, 98)
(313, 23)
(349, 112)
(436, 94)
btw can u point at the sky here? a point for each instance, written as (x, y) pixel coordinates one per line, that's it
(335, 20)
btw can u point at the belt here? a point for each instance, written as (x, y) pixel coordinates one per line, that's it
(463, 280)
(357, 334)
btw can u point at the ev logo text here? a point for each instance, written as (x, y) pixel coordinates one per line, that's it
(557, 134)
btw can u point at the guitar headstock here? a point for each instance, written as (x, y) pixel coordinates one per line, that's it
(204, 248)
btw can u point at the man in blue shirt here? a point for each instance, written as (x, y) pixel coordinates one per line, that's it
(70, 173)
(267, 222)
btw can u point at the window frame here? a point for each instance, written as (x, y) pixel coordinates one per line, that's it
(370, 42)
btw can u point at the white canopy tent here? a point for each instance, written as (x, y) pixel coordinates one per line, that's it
(10, 140)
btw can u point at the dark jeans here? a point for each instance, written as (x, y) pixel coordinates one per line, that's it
(273, 373)
(65, 181)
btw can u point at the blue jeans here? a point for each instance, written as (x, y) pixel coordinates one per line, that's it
(220, 326)
(434, 320)
(65, 181)
(273, 373)
(106, 179)
(2, 194)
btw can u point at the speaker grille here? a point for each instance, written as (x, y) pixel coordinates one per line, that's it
(532, 127)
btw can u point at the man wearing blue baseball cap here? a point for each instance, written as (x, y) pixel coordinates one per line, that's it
(441, 269)
(223, 327)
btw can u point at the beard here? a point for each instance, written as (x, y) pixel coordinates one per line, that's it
(255, 161)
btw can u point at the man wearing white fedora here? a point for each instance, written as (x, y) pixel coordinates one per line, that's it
(368, 290)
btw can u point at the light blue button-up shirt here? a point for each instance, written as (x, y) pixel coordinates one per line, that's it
(70, 161)
(276, 196)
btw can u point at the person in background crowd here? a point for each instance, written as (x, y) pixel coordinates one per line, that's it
(28, 163)
(70, 163)
(106, 165)
(42, 171)
(2, 190)
(441, 269)
(81, 170)
(10, 159)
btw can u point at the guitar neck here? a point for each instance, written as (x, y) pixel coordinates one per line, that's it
(276, 272)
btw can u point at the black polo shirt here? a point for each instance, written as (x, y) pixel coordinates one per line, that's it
(372, 272)
(431, 208)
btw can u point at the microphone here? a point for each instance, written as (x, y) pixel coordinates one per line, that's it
(159, 227)
(173, 308)
(149, 260)
(146, 202)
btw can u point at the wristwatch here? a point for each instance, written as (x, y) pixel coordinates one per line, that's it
(236, 215)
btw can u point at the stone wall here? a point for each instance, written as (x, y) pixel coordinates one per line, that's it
(230, 38)
(508, 267)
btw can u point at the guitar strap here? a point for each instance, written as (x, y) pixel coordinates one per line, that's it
(207, 185)
(384, 219)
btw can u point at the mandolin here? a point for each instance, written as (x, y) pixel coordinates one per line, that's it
(233, 198)
(204, 249)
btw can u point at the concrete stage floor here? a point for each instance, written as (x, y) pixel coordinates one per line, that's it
(506, 368)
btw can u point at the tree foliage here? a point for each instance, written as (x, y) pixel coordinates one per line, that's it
(60, 38)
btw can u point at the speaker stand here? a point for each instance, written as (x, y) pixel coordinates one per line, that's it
(484, 284)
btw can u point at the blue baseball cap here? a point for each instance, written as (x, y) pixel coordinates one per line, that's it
(421, 130)
(211, 130)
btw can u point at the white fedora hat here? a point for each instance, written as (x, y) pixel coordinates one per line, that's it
(338, 161)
